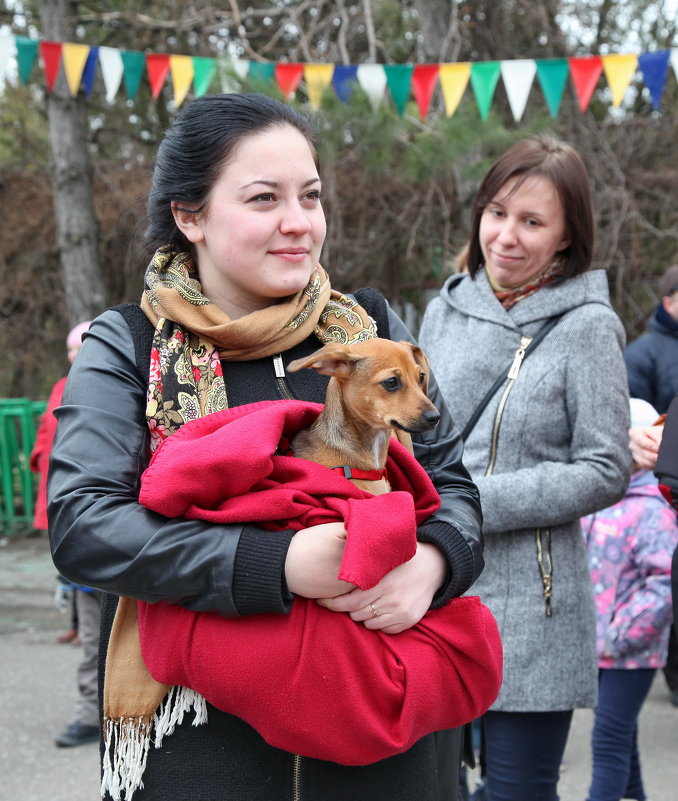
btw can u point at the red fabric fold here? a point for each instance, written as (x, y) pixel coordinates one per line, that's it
(314, 682)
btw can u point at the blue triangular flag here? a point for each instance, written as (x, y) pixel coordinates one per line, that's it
(89, 70)
(343, 80)
(654, 67)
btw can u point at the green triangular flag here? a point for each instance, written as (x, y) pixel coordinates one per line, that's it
(552, 74)
(261, 72)
(398, 79)
(484, 77)
(204, 70)
(26, 53)
(133, 63)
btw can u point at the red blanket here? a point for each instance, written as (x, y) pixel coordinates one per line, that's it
(313, 682)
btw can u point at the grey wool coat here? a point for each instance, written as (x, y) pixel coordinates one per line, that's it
(561, 452)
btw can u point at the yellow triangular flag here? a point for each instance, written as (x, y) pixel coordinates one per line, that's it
(453, 80)
(619, 70)
(181, 69)
(317, 77)
(74, 57)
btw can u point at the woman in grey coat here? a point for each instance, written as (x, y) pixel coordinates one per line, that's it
(549, 446)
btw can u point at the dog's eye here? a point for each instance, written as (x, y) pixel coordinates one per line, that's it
(391, 384)
(422, 378)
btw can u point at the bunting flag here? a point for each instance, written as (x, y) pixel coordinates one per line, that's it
(204, 70)
(552, 74)
(262, 72)
(372, 80)
(157, 67)
(232, 72)
(182, 71)
(453, 81)
(344, 79)
(585, 72)
(654, 67)
(112, 69)
(619, 69)
(403, 82)
(398, 79)
(517, 76)
(51, 61)
(26, 54)
(424, 80)
(318, 77)
(6, 50)
(484, 77)
(288, 77)
(134, 63)
(89, 70)
(74, 58)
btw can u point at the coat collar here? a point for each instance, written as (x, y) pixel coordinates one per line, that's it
(475, 298)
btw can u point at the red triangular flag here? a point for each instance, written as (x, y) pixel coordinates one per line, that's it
(585, 72)
(158, 67)
(287, 77)
(51, 60)
(424, 79)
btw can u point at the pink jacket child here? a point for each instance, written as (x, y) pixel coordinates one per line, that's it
(630, 546)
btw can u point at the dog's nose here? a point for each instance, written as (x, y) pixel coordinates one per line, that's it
(432, 417)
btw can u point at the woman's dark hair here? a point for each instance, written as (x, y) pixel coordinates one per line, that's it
(198, 145)
(559, 162)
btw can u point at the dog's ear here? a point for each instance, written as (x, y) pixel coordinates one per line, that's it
(333, 359)
(420, 358)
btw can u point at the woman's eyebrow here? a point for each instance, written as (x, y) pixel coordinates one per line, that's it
(275, 184)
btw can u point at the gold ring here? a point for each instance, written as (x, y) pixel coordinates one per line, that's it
(375, 613)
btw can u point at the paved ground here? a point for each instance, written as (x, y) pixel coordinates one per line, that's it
(37, 693)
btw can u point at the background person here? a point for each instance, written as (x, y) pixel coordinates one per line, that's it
(234, 292)
(652, 365)
(549, 447)
(629, 547)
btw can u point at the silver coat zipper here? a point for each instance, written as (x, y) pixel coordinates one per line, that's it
(280, 377)
(511, 376)
(296, 789)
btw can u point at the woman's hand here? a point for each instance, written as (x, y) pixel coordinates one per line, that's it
(644, 443)
(313, 561)
(401, 598)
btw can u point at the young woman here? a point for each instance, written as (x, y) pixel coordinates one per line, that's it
(548, 447)
(233, 293)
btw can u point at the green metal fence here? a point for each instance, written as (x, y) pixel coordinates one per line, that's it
(19, 418)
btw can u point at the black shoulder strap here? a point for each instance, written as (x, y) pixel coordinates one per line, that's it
(374, 304)
(142, 334)
(536, 339)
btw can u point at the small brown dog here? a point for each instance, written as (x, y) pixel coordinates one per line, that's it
(376, 387)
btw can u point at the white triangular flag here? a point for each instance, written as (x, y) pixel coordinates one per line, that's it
(112, 69)
(518, 75)
(372, 80)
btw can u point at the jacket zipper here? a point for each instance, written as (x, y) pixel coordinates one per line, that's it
(280, 377)
(296, 781)
(511, 376)
(545, 567)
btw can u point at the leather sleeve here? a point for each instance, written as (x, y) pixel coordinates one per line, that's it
(102, 537)
(456, 528)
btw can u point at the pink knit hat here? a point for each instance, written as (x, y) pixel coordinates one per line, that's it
(74, 337)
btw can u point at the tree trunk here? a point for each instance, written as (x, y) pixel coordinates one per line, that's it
(71, 173)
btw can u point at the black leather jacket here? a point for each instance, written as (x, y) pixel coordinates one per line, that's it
(101, 537)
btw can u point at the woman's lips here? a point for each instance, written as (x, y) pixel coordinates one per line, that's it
(291, 254)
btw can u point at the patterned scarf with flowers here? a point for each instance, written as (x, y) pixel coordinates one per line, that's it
(192, 336)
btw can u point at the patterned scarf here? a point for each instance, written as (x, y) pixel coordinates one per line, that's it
(186, 382)
(509, 296)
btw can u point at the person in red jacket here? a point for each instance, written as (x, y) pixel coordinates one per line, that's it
(39, 461)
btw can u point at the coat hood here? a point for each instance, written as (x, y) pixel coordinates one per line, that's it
(474, 297)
